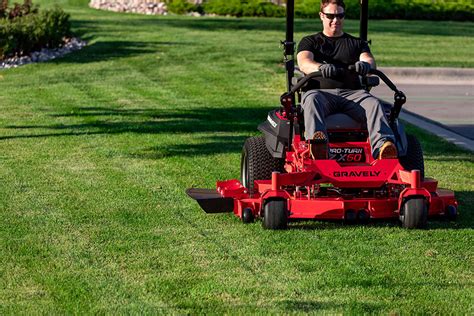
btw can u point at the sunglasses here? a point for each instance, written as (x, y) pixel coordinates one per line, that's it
(331, 16)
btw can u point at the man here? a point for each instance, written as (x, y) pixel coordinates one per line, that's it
(327, 51)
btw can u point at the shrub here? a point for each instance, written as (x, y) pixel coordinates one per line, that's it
(224, 7)
(55, 25)
(244, 8)
(458, 10)
(17, 10)
(181, 6)
(24, 33)
(262, 8)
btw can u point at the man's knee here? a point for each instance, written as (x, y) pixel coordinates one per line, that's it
(372, 105)
(313, 98)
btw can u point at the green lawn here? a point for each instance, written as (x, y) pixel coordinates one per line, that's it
(98, 148)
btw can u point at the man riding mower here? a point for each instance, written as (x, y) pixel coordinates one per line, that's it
(340, 155)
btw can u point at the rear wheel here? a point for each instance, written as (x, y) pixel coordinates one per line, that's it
(275, 214)
(414, 213)
(257, 163)
(414, 157)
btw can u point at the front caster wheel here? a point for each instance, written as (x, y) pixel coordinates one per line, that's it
(247, 215)
(414, 213)
(275, 214)
(451, 213)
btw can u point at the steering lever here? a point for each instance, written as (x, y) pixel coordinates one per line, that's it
(399, 100)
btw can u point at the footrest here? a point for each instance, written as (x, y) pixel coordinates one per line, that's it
(211, 201)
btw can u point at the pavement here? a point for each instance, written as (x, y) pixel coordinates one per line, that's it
(439, 100)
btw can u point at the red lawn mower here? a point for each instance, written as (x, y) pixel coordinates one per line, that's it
(282, 182)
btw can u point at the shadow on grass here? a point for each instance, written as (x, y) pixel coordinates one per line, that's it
(104, 51)
(209, 146)
(102, 120)
(437, 149)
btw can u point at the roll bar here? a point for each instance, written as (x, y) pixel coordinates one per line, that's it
(364, 19)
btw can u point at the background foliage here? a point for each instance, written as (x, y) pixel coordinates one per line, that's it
(456, 10)
(244, 8)
(23, 28)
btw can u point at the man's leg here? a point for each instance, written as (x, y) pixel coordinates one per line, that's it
(317, 104)
(361, 106)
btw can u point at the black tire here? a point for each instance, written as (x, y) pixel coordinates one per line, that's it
(275, 214)
(451, 213)
(414, 213)
(414, 157)
(247, 215)
(350, 217)
(257, 163)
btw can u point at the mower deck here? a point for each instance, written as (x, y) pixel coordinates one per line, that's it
(385, 187)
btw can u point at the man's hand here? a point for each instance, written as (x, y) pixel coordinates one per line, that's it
(328, 70)
(362, 67)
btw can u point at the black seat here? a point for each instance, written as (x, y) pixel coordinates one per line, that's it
(341, 121)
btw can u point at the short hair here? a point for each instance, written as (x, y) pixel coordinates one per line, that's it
(325, 3)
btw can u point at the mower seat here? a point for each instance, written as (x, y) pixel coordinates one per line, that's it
(341, 121)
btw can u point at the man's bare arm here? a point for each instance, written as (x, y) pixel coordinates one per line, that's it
(306, 62)
(368, 58)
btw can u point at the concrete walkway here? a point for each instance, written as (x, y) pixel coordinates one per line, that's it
(439, 100)
(430, 75)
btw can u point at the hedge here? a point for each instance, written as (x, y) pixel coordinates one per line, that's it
(22, 34)
(244, 8)
(458, 10)
(182, 6)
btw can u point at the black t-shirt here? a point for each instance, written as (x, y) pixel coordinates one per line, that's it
(341, 51)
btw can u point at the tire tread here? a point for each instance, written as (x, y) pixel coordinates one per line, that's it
(261, 163)
(414, 157)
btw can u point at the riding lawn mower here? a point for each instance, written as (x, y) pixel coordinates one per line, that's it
(281, 181)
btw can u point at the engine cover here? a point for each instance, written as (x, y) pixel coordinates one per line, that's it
(276, 130)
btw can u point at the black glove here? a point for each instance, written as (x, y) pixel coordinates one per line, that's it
(328, 70)
(362, 67)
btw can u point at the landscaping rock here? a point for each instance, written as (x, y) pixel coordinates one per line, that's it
(70, 45)
(150, 7)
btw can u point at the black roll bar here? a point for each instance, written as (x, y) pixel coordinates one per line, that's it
(289, 44)
(364, 19)
(289, 57)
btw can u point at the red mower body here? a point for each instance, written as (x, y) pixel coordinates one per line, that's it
(360, 188)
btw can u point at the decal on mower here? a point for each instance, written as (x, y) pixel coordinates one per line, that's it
(347, 154)
(338, 174)
(272, 122)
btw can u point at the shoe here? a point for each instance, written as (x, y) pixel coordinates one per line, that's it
(388, 151)
(318, 146)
